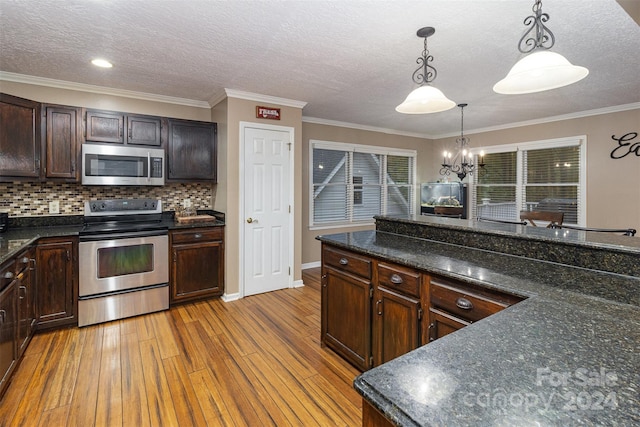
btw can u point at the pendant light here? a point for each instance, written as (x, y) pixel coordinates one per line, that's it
(425, 99)
(541, 70)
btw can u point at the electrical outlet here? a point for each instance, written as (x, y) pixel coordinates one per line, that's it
(186, 203)
(54, 207)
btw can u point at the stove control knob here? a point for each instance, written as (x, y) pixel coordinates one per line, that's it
(94, 207)
(103, 206)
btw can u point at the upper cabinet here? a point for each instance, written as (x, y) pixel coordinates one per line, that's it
(19, 138)
(62, 134)
(121, 128)
(192, 150)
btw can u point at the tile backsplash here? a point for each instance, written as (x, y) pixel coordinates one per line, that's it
(32, 199)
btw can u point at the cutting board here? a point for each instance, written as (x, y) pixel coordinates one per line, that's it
(196, 218)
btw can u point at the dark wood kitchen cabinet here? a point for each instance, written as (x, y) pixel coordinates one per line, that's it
(197, 267)
(454, 305)
(397, 312)
(56, 282)
(8, 324)
(63, 137)
(192, 150)
(19, 138)
(25, 289)
(346, 305)
(122, 128)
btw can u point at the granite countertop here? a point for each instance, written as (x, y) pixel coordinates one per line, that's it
(569, 354)
(26, 231)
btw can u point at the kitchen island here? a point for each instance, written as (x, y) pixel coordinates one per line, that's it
(568, 354)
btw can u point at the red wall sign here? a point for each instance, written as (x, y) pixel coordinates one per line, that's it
(268, 113)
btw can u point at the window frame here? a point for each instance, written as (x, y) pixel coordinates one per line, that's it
(520, 148)
(367, 149)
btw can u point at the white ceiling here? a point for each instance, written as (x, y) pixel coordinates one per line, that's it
(350, 60)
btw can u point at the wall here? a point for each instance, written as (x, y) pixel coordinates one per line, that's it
(424, 148)
(239, 110)
(613, 190)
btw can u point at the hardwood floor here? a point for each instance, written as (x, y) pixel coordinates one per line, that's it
(252, 362)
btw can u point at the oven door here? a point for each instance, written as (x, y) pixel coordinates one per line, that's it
(110, 264)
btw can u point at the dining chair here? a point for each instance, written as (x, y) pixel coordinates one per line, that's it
(551, 217)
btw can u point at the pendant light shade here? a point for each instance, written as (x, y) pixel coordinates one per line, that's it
(539, 71)
(425, 99)
(542, 69)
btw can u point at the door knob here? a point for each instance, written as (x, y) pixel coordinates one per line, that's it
(250, 220)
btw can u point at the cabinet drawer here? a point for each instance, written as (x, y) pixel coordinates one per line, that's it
(465, 302)
(402, 279)
(197, 235)
(347, 262)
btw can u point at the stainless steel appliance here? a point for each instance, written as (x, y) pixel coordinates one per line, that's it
(123, 257)
(122, 165)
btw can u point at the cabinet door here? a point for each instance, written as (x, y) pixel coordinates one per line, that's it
(197, 271)
(56, 283)
(441, 324)
(7, 334)
(19, 137)
(396, 325)
(192, 150)
(26, 299)
(62, 141)
(143, 130)
(346, 317)
(105, 126)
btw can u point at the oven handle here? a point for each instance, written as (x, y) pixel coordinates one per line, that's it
(125, 235)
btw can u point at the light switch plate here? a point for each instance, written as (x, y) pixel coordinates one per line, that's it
(54, 207)
(186, 203)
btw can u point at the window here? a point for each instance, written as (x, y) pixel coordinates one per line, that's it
(541, 175)
(353, 183)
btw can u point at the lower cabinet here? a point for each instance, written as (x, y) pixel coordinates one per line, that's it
(397, 312)
(26, 293)
(197, 264)
(8, 321)
(454, 305)
(57, 282)
(346, 306)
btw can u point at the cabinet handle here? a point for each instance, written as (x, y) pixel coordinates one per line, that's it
(464, 304)
(3, 316)
(432, 327)
(33, 260)
(344, 261)
(396, 279)
(197, 236)
(23, 289)
(8, 275)
(378, 307)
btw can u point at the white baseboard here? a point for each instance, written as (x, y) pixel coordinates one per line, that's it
(297, 284)
(230, 297)
(311, 265)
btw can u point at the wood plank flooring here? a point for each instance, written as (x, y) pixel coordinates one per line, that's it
(252, 362)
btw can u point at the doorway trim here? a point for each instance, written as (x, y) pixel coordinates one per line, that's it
(241, 244)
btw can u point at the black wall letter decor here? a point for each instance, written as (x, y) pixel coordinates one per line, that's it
(625, 147)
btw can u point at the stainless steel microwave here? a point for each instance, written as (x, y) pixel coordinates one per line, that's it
(122, 165)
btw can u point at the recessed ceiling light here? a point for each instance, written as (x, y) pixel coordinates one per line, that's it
(102, 63)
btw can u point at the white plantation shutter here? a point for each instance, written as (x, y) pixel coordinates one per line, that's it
(353, 183)
(542, 175)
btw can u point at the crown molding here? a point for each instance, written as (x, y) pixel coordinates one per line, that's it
(250, 96)
(577, 115)
(337, 123)
(62, 84)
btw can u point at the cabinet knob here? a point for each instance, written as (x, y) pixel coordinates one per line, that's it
(396, 279)
(8, 275)
(344, 261)
(464, 304)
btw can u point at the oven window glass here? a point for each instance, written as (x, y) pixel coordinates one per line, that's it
(122, 260)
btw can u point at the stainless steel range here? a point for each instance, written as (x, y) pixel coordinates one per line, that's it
(123, 257)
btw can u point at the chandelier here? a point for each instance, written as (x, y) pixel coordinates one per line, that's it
(460, 162)
(542, 69)
(426, 98)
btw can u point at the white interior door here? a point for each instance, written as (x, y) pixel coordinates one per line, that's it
(267, 206)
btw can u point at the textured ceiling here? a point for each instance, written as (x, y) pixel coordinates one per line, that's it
(350, 60)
